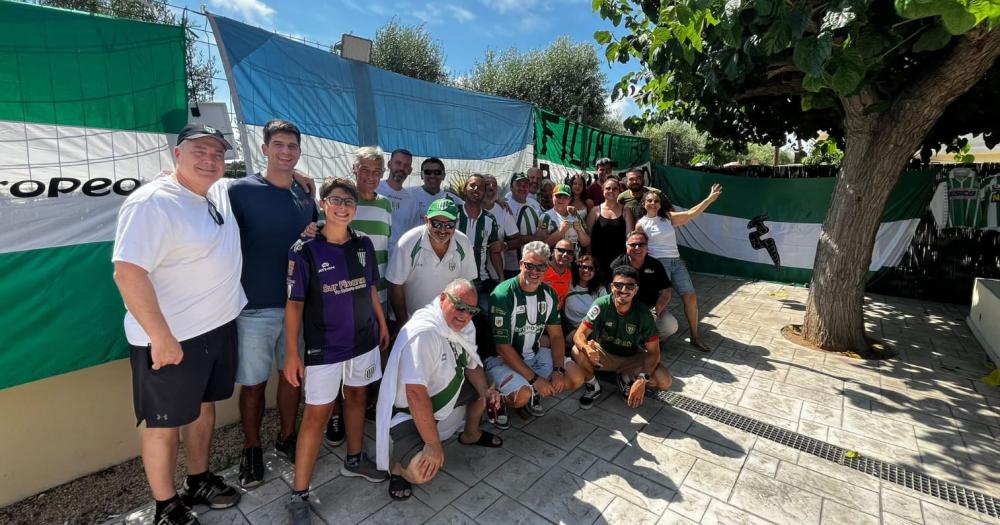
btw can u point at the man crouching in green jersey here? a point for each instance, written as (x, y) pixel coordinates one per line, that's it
(619, 335)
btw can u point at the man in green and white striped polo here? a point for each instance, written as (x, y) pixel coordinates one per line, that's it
(374, 216)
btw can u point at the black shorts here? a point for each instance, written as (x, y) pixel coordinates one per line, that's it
(172, 396)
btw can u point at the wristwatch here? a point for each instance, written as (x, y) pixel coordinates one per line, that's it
(532, 380)
(644, 376)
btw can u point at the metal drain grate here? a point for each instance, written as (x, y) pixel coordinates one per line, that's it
(892, 473)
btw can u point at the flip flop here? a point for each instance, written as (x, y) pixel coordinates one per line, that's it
(486, 439)
(398, 486)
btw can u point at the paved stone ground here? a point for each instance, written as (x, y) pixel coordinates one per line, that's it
(926, 410)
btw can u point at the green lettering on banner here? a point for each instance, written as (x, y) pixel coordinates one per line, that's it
(564, 142)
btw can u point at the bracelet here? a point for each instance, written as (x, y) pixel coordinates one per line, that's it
(532, 380)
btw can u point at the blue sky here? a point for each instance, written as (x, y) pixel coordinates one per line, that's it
(465, 29)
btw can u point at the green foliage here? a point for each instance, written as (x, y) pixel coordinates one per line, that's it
(750, 71)
(824, 152)
(687, 142)
(201, 69)
(564, 78)
(409, 50)
(962, 150)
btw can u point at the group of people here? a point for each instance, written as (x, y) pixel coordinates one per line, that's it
(411, 302)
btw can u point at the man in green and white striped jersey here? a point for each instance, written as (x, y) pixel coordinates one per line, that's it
(374, 215)
(526, 212)
(483, 231)
(523, 310)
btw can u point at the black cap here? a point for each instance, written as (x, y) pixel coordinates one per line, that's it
(197, 130)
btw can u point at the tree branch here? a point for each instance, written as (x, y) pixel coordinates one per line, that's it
(784, 87)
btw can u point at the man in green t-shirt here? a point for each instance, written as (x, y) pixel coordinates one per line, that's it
(619, 335)
(523, 310)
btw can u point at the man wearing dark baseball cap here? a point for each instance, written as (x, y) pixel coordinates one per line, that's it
(197, 130)
(177, 264)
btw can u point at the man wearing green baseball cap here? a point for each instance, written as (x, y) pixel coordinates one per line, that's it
(562, 222)
(427, 259)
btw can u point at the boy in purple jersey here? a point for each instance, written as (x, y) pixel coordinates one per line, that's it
(332, 294)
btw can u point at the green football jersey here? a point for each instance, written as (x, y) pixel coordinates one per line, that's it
(519, 317)
(964, 199)
(620, 334)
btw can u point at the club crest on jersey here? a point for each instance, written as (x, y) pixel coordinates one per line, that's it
(542, 307)
(362, 258)
(630, 329)
(452, 265)
(498, 322)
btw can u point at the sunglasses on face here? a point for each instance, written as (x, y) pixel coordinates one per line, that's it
(462, 306)
(564, 250)
(636, 245)
(434, 173)
(214, 213)
(532, 267)
(586, 268)
(628, 287)
(443, 225)
(347, 202)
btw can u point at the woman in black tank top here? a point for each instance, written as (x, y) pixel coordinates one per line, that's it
(607, 226)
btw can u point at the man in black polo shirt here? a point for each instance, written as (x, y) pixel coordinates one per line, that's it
(654, 284)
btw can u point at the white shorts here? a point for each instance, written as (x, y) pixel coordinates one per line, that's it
(322, 382)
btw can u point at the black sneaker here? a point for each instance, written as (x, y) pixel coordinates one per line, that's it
(286, 448)
(177, 513)
(625, 385)
(334, 432)
(535, 405)
(252, 467)
(591, 393)
(213, 492)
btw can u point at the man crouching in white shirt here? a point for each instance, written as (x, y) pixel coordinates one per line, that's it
(433, 368)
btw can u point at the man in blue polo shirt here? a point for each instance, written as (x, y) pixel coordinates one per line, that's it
(271, 209)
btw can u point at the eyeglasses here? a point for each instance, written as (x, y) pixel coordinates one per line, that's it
(462, 306)
(586, 268)
(347, 202)
(564, 250)
(635, 245)
(532, 267)
(628, 287)
(435, 173)
(213, 212)
(443, 225)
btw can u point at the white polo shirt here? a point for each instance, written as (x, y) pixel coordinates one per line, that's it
(193, 263)
(423, 275)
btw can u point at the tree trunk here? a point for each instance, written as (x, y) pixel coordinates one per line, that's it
(877, 149)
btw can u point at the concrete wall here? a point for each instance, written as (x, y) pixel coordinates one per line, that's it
(984, 316)
(64, 427)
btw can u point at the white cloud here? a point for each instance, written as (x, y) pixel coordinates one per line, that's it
(518, 6)
(438, 13)
(621, 108)
(251, 10)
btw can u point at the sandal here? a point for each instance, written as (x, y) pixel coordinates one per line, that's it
(486, 439)
(399, 488)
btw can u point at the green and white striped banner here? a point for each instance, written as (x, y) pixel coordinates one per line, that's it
(718, 241)
(88, 105)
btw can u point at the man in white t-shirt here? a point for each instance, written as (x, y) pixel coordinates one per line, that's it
(433, 368)
(427, 258)
(177, 264)
(400, 167)
(419, 198)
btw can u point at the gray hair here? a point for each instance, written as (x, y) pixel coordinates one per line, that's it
(538, 248)
(534, 168)
(458, 286)
(369, 153)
